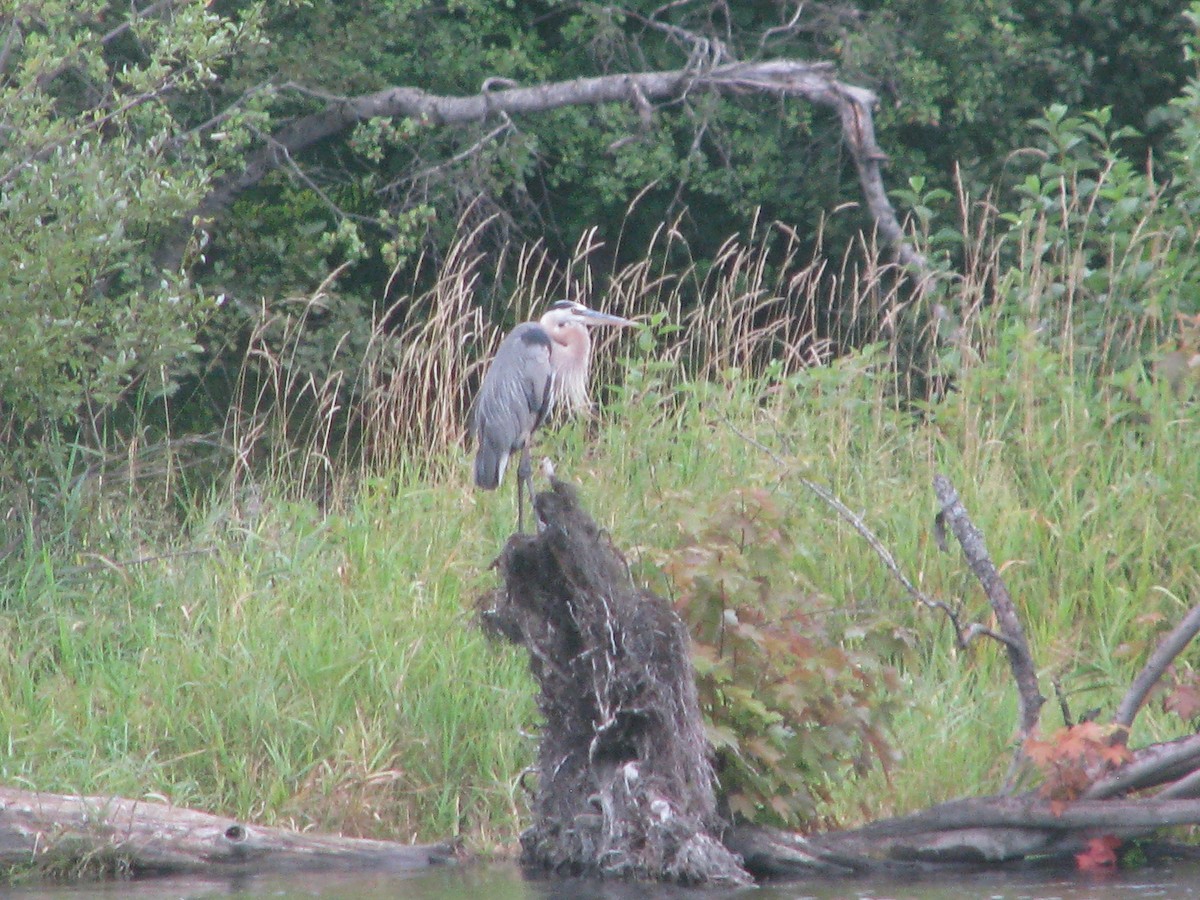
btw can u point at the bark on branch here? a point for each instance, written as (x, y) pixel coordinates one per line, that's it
(141, 836)
(1169, 648)
(1012, 633)
(812, 82)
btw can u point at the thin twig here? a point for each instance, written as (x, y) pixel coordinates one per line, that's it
(10, 41)
(787, 29)
(119, 565)
(962, 636)
(463, 155)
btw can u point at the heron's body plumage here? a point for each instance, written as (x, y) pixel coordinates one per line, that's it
(537, 366)
(515, 396)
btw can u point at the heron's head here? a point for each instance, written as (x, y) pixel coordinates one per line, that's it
(567, 323)
(563, 316)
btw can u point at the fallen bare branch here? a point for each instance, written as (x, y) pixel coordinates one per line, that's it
(1186, 787)
(1150, 766)
(140, 835)
(812, 82)
(1169, 648)
(1020, 660)
(1029, 811)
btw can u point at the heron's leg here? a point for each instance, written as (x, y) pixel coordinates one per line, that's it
(524, 486)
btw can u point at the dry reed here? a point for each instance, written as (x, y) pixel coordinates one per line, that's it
(769, 301)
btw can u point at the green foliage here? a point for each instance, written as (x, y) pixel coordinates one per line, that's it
(1097, 249)
(1101, 246)
(95, 166)
(958, 81)
(792, 697)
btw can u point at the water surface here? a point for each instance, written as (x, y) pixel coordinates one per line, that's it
(1176, 881)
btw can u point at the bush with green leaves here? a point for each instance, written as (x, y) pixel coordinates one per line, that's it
(1096, 252)
(791, 701)
(97, 165)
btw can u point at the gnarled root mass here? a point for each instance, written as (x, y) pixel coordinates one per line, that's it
(624, 787)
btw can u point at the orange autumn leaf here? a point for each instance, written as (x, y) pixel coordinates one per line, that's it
(1071, 759)
(1116, 755)
(1184, 701)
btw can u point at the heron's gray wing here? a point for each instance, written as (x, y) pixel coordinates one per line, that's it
(513, 398)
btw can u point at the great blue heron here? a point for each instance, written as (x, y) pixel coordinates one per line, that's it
(538, 365)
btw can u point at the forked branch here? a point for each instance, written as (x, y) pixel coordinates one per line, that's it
(954, 515)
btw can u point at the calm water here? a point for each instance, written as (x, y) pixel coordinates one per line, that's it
(502, 882)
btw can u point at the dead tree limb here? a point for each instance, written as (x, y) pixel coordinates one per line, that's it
(1020, 660)
(1150, 767)
(813, 82)
(1169, 648)
(962, 832)
(57, 831)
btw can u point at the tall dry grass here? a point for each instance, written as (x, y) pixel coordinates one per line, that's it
(768, 301)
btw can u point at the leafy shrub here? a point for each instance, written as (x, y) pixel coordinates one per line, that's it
(791, 703)
(97, 167)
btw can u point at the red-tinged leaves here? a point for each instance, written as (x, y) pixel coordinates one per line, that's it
(1184, 700)
(1072, 758)
(789, 705)
(1100, 854)
(1116, 755)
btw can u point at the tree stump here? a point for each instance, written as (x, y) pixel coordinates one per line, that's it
(625, 788)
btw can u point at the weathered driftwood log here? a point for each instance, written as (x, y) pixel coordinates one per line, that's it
(624, 786)
(113, 833)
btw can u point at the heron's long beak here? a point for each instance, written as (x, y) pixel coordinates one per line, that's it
(599, 318)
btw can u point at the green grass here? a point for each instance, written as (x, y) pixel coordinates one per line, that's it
(317, 670)
(321, 669)
(248, 649)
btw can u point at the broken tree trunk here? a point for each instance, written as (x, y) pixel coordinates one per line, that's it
(53, 831)
(625, 787)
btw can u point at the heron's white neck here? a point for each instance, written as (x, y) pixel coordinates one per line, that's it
(571, 376)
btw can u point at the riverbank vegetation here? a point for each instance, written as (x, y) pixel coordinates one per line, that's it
(294, 643)
(274, 618)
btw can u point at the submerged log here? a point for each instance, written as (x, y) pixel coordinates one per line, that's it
(625, 787)
(72, 833)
